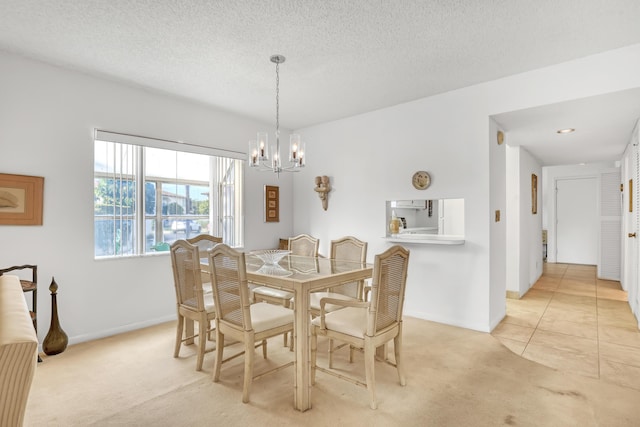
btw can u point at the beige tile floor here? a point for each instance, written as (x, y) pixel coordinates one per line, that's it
(572, 321)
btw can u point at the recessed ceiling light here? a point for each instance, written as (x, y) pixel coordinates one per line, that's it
(567, 130)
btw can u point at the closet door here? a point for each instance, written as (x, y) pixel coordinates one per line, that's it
(610, 226)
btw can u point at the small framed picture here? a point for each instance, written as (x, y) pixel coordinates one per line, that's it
(534, 193)
(271, 203)
(21, 199)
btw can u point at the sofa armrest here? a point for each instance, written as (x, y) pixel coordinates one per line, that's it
(18, 351)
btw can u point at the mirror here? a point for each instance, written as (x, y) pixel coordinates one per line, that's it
(424, 217)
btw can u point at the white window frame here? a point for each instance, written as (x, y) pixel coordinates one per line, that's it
(219, 159)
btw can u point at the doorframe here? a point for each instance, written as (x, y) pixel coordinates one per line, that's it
(552, 229)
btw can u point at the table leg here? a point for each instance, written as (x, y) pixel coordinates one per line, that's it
(302, 393)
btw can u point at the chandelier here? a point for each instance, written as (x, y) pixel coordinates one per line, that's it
(260, 155)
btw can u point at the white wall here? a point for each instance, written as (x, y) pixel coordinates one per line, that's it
(513, 245)
(524, 229)
(371, 158)
(452, 217)
(47, 117)
(498, 166)
(530, 223)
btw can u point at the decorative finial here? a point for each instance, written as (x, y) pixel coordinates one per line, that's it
(54, 286)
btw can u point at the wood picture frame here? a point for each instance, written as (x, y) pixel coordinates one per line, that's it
(21, 199)
(271, 203)
(534, 193)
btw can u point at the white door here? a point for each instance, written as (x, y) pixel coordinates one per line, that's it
(631, 206)
(629, 264)
(577, 221)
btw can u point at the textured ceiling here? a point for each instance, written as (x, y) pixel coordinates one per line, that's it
(343, 57)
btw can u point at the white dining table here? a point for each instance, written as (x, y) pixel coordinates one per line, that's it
(303, 275)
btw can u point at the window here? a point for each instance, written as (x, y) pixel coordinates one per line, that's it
(148, 193)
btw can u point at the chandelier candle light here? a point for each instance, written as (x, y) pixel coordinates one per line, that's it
(259, 149)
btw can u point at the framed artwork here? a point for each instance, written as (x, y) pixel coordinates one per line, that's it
(21, 199)
(534, 193)
(271, 203)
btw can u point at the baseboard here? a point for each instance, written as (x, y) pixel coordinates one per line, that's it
(447, 321)
(513, 294)
(119, 330)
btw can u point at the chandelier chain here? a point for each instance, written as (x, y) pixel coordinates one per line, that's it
(278, 104)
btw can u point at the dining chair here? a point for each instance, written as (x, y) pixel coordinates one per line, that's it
(238, 318)
(367, 325)
(204, 242)
(349, 249)
(303, 245)
(191, 301)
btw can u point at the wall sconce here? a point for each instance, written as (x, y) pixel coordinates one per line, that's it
(322, 188)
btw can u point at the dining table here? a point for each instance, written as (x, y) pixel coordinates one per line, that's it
(302, 275)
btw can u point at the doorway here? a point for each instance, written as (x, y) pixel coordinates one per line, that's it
(577, 221)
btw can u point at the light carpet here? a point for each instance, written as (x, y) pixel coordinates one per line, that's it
(455, 377)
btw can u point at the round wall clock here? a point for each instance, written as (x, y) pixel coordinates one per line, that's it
(421, 180)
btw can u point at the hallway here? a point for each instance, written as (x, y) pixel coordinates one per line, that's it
(571, 321)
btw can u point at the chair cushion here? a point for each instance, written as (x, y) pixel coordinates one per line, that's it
(266, 316)
(315, 297)
(275, 293)
(350, 320)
